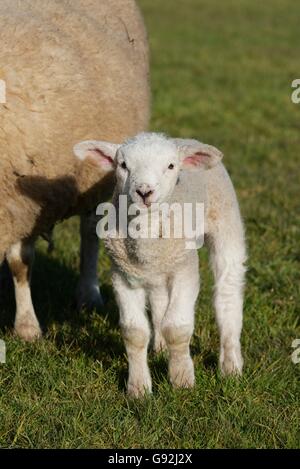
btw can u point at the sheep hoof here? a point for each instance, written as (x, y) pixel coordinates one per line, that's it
(89, 299)
(232, 366)
(139, 388)
(28, 330)
(182, 373)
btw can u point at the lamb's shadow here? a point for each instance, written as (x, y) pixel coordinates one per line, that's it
(95, 334)
(210, 360)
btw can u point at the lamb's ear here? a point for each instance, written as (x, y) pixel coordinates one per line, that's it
(100, 153)
(195, 154)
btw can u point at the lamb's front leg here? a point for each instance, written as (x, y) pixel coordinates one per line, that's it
(178, 323)
(20, 258)
(136, 334)
(159, 300)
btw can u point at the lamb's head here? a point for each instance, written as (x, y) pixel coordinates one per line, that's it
(148, 165)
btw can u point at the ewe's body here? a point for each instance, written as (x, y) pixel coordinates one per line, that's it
(162, 272)
(73, 69)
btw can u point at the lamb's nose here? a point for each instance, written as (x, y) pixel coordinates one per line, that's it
(144, 195)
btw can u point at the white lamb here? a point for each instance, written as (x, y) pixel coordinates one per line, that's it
(152, 168)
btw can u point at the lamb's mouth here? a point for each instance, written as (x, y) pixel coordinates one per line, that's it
(144, 205)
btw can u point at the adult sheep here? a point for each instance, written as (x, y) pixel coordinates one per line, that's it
(72, 69)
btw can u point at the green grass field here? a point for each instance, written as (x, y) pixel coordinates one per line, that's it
(221, 72)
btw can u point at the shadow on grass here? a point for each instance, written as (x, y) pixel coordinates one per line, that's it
(210, 360)
(53, 287)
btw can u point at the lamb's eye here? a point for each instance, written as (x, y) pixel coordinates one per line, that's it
(171, 166)
(123, 165)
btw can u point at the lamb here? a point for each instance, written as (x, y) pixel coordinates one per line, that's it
(72, 68)
(154, 169)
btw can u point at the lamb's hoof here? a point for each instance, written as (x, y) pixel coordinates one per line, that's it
(28, 330)
(89, 299)
(139, 388)
(160, 345)
(231, 362)
(181, 373)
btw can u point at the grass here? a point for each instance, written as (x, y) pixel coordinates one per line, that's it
(221, 72)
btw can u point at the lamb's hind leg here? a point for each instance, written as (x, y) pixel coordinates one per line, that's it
(228, 255)
(20, 259)
(178, 323)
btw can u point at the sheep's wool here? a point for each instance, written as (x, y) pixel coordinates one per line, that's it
(74, 70)
(141, 259)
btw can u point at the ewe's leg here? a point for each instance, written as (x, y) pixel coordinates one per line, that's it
(88, 292)
(228, 255)
(20, 258)
(136, 334)
(178, 323)
(159, 300)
